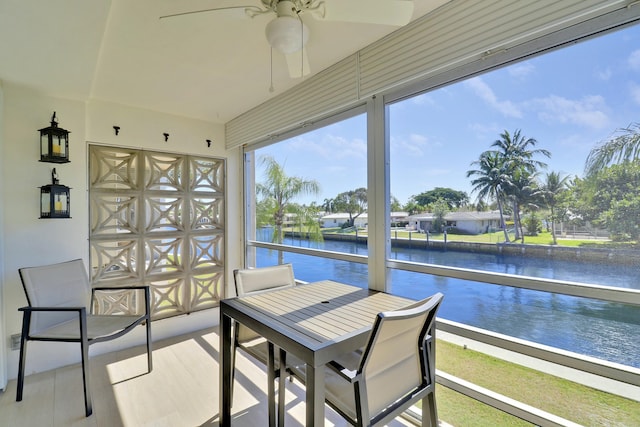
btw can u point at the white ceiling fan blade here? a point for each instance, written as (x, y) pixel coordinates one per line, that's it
(249, 10)
(387, 12)
(298, 64)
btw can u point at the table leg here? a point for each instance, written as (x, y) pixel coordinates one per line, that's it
(225, 369)
(429, 411)
(271, 378)
(281, 387)
(315, 396)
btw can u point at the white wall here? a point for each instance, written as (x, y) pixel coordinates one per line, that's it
(27, 240)
(3, 364)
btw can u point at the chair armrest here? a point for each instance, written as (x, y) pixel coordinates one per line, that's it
(30, 309)
(347, 374)
(120, 288)
(27, 312)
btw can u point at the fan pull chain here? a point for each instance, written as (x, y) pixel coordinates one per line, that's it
(301, 46)
(271, 87)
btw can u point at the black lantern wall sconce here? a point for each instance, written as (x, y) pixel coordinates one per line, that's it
(55, 199)
(54, 143)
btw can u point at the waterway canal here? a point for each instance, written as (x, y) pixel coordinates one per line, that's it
(608, 331)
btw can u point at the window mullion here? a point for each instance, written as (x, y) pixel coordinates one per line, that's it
(378, 193)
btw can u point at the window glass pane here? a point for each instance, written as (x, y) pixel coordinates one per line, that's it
(528, 170)
(309, 268)
(585, 326)
(311, 192)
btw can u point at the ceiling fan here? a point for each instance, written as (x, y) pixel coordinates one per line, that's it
(288, 34)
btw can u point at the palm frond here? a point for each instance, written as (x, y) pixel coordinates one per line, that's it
(624, 147)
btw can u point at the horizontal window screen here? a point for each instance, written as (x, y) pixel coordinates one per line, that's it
(458, 33)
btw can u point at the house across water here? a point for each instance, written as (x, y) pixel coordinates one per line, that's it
(468, 222)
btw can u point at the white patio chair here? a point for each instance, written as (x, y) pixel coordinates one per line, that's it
(251, 282)
(395, 369)
(60, 302)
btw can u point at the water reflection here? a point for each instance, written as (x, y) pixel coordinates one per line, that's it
(609, 331)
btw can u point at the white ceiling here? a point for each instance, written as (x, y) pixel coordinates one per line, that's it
(211, 66)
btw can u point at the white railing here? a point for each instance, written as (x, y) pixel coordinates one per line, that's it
(613, 371)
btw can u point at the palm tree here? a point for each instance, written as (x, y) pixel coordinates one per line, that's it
(307, 220)
(489, 181)
(552, 188)
(280, 189)
(327, 205)
(412, 207)
(524, 192)
(625, 146)
(518, 160)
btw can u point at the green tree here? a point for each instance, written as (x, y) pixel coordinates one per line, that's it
(481, 206)
(533, 224)
(553, 189)
(622, 219)
(264, 212)
(327, 205)
(412, 207)
(518, 163)
(610, 198)
(395, 205)
(489, 180)
(525, 194)
(308, 223)
(453, 198)
(277, 192)
(623, 147)
(440, 209)
(353, 202)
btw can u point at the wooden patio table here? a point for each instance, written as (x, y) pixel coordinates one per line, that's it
(316, 322)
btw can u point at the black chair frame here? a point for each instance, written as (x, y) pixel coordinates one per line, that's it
(84, 340)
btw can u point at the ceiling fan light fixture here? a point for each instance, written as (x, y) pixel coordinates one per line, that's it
(287, 34)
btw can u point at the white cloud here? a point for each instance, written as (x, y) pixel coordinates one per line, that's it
(634, 60)
(590, 111)
(521, 71)
(572, 141)
(418, 139)
(423, 99)
(482, 90)
(485, 130)
(331, 147)
(415, 146)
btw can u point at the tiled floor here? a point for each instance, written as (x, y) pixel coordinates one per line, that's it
(181, 391)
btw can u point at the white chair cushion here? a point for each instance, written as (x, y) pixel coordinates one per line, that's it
(250, 281)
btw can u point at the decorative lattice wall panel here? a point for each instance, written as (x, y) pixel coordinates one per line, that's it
(158, 219)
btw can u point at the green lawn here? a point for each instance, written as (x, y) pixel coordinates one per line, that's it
(569, 400)
(543, 238)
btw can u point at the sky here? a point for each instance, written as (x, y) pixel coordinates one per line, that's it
(570, 101)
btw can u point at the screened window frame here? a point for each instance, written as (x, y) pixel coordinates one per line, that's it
(380, 263)
(503, 58)
(379, 195)
(249, 205)
(378, 185)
